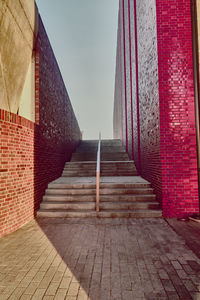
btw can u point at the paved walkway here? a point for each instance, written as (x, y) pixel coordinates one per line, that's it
(190, 232)
(98, 259)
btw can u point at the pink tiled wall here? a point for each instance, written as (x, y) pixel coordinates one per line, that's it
(155, 50)
(177, 111)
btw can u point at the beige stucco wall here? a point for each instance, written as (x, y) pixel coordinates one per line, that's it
(27, 99)
(18, 27)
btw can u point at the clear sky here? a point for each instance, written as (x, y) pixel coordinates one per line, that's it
(83, 34)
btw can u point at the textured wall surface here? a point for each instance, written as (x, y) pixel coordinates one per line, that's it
(177, 112)
(117, 113)
(148, 93)
(56, 132)
(123, 77)
(132, 49)
(125, 87)
(118, 119)
(33, 154)
(163, 115)
(127, 79)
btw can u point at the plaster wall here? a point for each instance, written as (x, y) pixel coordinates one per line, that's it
(27, 100)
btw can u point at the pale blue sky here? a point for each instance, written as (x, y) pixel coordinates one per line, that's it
(83, 35)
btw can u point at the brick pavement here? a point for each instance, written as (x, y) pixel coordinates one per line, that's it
(189, 231)
(97, 259)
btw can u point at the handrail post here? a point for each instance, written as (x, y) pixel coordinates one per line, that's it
(97, 190)
(98, 174)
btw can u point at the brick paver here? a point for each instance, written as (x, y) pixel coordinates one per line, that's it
(98, 259)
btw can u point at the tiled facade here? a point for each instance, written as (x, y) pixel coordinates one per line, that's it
(159, 83)
(177, 111)
(33, 154)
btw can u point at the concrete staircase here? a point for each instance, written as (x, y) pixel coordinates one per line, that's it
(108, 168)
(122, 192)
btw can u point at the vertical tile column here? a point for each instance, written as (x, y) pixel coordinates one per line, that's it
(177, 111)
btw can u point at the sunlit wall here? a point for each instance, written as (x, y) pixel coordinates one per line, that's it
(154, 111)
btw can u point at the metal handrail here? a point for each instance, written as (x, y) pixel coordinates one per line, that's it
(98, 173)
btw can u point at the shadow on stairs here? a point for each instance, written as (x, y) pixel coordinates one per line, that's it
(123, 193)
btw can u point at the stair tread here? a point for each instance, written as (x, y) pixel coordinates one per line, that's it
(107, 192)
(93, 185)
(92, 211)
(104, 195)
(128, 202)
(122, 192)
(103, 162)
(101, 202)
(68, 202)
(129, 210)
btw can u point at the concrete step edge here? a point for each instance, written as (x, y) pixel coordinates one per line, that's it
(67, 202)
(69, 198)
(103, 199)
(138, 186)
(103, 214)
(116, 192)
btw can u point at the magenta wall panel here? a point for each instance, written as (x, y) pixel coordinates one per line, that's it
(177, 111)
(154, 109)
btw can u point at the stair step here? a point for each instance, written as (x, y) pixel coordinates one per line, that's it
(103, 167)
(130, 214)
(101, 170)
(68, 205)
(103, 162)
(123, 194)
(67, 186)
(53, 213)
(128, 205)
(93, 174)
(128, 198)
(102, 214)
(79, 173)
(70, 191)
(103, 150)
(105, 191)
(68, 198)
(86, 205)
(103, 198)
(102, 174)
(111, 185)
(116, 173)
(127, 191)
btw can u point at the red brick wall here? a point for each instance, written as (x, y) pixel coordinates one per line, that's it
(177, 112)
(137, 22)
(163, 137)
(32, 155)
(16, 171)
